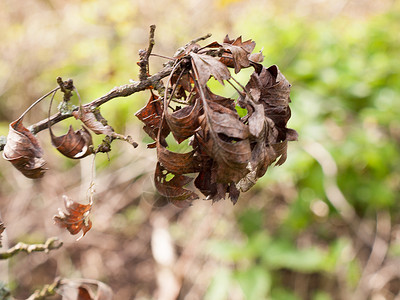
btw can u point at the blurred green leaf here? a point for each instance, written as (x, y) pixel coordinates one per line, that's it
(282, 294)
(4, 292)
(281, 254)
(255, 282)
(250, 221)
(220, 285)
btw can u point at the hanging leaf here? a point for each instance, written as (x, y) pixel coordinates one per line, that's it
(271, 89)
(76, 218)
(23, 151)
(171, 187)
(184, 122)
(75, 144)
(207, 66)
(150, 115)
(93, 120)
(177, 163)
(225, 139)
(237, 53)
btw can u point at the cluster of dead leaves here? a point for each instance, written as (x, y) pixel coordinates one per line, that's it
(229, 152)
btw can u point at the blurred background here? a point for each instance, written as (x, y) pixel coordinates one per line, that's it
(324, 226)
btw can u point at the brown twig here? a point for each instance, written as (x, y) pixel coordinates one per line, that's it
(145, 54)
(120, 91)
(46, 291)
(51, 244)
(66, 87)
(144, 83)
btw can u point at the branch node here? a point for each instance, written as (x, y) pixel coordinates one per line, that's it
(47, 291)
(145, 54)
(51, 244)
(66, 87)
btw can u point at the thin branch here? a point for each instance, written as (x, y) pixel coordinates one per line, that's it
(202, 38)
(36, 102)
(181, 50)
(161, 56)
(46, 291)
(66, 87)
(51, 244)
(120, 91)
(145, 54)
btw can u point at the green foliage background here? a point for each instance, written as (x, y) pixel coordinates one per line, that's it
(288, 238)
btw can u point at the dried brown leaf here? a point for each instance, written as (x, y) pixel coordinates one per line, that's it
(75, 144)
(271, 89)
(150, 115)
(225, 139)
(207, 66)
(223, 101)
(76, 218)
(184, 122)
(173, 188)
(23, 151)
(237, 53)
(177, 163)
(93, 120)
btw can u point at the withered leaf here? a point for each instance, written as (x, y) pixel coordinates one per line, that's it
(177, 163)
(75, 144)
(225, 139)
(238, 54)
(207, 66)
(184, 122)
(76, 218)
(223, 101)
(93, 120)
(2, 228)
(230, 153)
(248, 45)
(256, 57)
(271, 89)
(150, 115)
(23, 151)
(173, 188)
(206, 182)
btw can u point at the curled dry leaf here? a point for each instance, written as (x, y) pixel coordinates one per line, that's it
(229, 152)
(225, 139)
(178, 163)
(184, 122)
(237, 53)
(171, 186)
(75, 144)
(93, 120)
(23, 151)
(150, 115)
(76, 218)
(207, 66)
